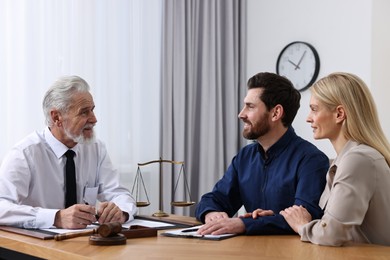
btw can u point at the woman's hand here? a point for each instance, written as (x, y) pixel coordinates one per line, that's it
(296, 216)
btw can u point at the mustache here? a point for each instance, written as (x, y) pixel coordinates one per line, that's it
(91, 126)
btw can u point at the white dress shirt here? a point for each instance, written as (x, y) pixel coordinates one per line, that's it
(32, 180)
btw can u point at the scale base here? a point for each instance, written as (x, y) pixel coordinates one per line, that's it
(160, 213)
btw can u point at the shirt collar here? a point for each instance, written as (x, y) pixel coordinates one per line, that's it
(58, 148)
(279, 146)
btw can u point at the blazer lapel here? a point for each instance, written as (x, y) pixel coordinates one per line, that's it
(326, 194)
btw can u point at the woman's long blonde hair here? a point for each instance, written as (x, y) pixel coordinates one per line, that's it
(362, 122)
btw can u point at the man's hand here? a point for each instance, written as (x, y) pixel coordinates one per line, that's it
(214, 215)
(109, 212)
(223, 226)
(258, 213)
(296, 216)
(76, 216)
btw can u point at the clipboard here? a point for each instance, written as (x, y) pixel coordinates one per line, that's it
(37, 233)
(134, 231)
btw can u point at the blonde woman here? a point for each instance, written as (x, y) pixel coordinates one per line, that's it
(356, 199)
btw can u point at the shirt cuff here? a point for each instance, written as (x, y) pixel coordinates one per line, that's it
(45, 218)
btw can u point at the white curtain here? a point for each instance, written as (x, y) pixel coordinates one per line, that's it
(113, 44)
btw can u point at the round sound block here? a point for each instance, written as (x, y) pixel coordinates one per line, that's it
(98, 240)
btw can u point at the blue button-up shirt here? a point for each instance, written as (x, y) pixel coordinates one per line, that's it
(291, 172)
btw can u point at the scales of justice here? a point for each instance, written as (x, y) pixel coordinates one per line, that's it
(139, 187)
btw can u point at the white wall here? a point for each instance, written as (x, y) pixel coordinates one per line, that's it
(341, 31)
(381, 60)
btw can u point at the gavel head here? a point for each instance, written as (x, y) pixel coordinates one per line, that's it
(109, 229)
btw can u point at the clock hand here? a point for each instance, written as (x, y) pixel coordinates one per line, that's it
(293, 64)
(299, 62)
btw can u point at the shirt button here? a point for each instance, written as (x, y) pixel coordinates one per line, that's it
(323, 224)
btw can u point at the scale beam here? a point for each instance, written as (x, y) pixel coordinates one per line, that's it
(139, 181)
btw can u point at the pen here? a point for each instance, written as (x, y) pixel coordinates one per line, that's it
(190, 230)
(96, 215)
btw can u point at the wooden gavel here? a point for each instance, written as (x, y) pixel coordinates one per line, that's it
(104, 230)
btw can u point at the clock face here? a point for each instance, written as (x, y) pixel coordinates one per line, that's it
(300, 63)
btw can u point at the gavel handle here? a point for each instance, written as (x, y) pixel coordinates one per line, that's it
(68, 235)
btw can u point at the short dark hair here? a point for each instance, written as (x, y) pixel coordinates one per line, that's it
(277, 90)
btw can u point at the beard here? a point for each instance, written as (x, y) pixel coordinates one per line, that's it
(257, 129)
(81, 139)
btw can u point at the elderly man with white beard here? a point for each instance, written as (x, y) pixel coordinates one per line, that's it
(62, 176)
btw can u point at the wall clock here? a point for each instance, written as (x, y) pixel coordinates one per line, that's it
(300, 63)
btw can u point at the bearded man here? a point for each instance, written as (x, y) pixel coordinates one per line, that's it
(279, 169)
(62, 176)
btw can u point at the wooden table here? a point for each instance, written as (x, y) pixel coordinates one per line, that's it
(240, 247)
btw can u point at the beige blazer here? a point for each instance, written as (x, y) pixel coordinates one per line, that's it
(356, 200)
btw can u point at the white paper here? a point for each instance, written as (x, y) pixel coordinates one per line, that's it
(138, 222)
(64, 230)
(147, 223)
(188, 233)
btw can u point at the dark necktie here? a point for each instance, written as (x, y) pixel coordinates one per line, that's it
(70, 183)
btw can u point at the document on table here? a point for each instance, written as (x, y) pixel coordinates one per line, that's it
(134, 222)
(147, 223)
(192, 233)
(64, 230)
(49, 233)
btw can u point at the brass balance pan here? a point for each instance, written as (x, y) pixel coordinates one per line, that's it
(182, 203)
(142, 203)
